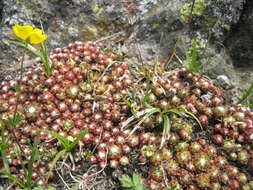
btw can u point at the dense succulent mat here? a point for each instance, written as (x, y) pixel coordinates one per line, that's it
(175, 122)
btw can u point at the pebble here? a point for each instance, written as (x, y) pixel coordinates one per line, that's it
(73, 31)
(224, 82)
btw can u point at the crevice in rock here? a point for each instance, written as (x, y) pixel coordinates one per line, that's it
(240, 40)
(1, 10)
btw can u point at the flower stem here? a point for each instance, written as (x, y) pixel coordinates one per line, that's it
(46, 61)
(16, 106)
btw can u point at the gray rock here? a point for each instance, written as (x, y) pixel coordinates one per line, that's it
(158, 29)
(73, 32)
(221, 15)
(224, 82)
(240, 40)
(160, 23)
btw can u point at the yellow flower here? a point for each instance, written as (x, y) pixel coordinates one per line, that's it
(22, 32)
(36, 37)
(29, 34)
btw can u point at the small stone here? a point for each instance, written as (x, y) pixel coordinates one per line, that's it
(73, 31)
(224, 82)
(116, 174)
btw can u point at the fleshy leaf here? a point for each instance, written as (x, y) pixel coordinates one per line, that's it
(126, 181)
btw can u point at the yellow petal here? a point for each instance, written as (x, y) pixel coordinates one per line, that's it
(22, 32)
(36, 37)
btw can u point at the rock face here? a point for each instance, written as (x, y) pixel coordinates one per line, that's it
(146, 28)
(165, 22)
(242, 47)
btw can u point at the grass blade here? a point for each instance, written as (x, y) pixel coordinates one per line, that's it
(34, 156)
(138, 115)
(146, 96)
(3, 149)
(56, 158)
(64, 141)
(194, 117)
(14, 120)
(127, 102)
(45, 60)
(193, 65)
(4, 159)
(248, 105)
(148, 113)
(166, 130)
(180, 112)
(16, 180)
(73, 144)
(152, 111)
(192, 57)
(175, 111)
(246, 95)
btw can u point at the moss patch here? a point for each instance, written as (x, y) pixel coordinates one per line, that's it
(198, 10)
(89, 33)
